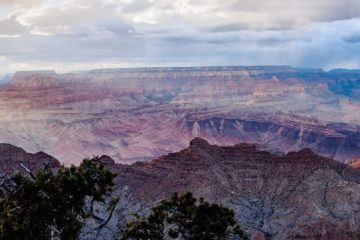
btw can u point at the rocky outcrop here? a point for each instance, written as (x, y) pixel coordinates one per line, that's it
(12, 157)
(299, 195)
(34, 80)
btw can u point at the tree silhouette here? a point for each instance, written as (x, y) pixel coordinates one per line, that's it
(184, 217)
(53, 205)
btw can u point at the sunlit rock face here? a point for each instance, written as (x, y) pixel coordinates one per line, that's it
(138, 114)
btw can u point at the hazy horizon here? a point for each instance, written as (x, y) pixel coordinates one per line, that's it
(172, 66)
(73, 35)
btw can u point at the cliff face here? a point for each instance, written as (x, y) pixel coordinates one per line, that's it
(139, 114)
(299, 195)
(296, 196)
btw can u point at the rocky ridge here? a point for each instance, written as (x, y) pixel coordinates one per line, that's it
(299, 195)
(12, 157)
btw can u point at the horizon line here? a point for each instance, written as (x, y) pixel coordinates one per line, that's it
(200, 67)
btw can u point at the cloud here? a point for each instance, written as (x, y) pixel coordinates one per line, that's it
(352, 32)
(20, 3)
(69, 33)
(355, 38)
(249, 14)
(11, 27)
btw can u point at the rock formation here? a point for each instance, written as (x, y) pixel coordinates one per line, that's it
(139, 114)
(299, 195)
(12, 157)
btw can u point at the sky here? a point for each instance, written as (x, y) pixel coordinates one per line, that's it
(72, 35)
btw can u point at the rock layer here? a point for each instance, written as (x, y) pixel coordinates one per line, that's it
(139, 114)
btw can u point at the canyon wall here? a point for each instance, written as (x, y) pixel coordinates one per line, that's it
(139, 114)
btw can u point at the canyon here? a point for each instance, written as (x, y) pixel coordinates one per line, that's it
(140, 114)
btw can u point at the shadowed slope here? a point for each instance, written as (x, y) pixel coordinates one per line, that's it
(11, 158)
(296, 196)
(299, 195)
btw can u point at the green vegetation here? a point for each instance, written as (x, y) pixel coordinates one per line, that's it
(184, 217)
(54, 205)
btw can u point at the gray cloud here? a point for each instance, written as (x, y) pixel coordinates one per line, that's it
(322, 33)
(20, 3)
(299, 11)
(137, 6)
(353, 38)
(11, 27)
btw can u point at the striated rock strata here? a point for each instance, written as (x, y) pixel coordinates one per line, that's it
(140, 114)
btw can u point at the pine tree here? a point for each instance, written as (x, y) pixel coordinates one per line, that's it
(53, 205)
(184, 217)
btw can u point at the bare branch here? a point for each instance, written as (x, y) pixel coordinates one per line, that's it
(6, 188)
(92, 211)
(9, 189)
(96, 159)
(47, 166)
(101, 226)
(28, 170)
(15, 208)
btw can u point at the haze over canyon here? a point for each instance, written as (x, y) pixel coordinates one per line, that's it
(139, 114)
